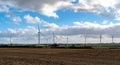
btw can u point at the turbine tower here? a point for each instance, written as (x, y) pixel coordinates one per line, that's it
(67, 39)
(10, 39)
(85, 38)
(100, 37)
(38, 34)
(53, 38)
(112, 39)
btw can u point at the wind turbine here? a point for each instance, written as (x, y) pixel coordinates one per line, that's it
(10, 39)
(39, 34)
(67, 39)
(100, 37)
(85, 35)
(100, 40)
(53, 38)
(112, 39)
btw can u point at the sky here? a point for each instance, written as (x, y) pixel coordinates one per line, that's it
(75, 19)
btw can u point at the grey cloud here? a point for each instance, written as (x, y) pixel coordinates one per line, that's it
(101, 7)
(30, 33)
(91, 31)
(37, 5)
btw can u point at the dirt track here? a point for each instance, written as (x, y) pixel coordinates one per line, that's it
(37, 56)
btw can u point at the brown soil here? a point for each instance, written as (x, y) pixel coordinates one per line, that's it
(37, 56)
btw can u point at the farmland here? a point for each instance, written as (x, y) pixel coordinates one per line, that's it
(49, 56)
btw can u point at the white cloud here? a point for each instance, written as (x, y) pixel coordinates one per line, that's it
(33, 20)
(92, 30)
(11, 31)
(86, 24)
(4, 8)
(44, 24)
(29, 30)
(20, 35)
(117, 15)
(50, 26)
(104, 22)
(45, 7)
(107, 8)
(50, 7)
(95, 5)
(17, 19)
(50, 10)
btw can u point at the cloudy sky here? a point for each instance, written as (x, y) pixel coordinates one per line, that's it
(75, 19)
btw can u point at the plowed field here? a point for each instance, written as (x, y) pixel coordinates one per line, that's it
(38, 56)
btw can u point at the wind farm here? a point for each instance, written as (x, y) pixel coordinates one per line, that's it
(55, 42)
(54, 52)
(59, 32)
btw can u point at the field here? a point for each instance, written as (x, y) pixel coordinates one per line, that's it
(39, 56)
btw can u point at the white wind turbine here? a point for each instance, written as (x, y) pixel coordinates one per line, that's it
(39, 34)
